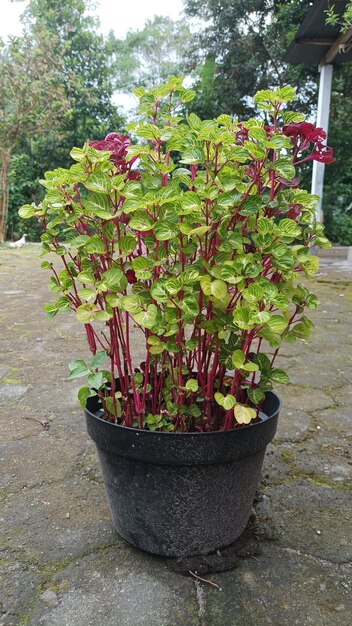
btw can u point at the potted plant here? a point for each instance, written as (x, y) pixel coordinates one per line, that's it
(194, 237)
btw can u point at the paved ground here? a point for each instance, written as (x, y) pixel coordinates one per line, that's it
(62, 563)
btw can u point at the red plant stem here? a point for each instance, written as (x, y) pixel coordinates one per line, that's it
(115, 354)
(136, 397)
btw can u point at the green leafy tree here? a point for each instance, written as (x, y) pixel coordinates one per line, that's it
(241, 49)
(149, 56)
(31, 100)
(85, 80)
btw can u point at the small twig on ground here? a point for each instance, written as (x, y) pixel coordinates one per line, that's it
(204, 580)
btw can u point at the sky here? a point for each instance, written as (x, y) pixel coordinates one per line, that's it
(117, 15)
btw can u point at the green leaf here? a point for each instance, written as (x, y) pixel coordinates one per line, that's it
(190, 202)
(98, 182)
(127, 245)
(251, 205)
(50, 310)
(87, 294)
(276, 323)
(219, 398)
(289, 228)
(279, 376)
(274, 339)
(254, 150)
(244, 414)
(86, 277)
(192, 385)
(241, 318)
(96, 202)
(114, 279)
(261, 318)
(195, 155)
(79, 241)
(133, 189)
(173, 285)
(250, 367)
(264, 225)
(78, 369)
(286, 94)
(98, 359)
(147, 318)
(104, 215)
(26, 211)
(86, 313)
(258, 133)
(131, 304)
(96, 380)
(255, 395)
(194, 410)
(302, 329)
(157, 349)
(63, 303)
(60, 250)
(103, 316)
(95, 245)
(230, 275)
(83, 394)
(228, 402)
(238, 358)
(78, 154)
(284, 168)
(165, 230)
(218, 289)
(141, 221)
(158, 291)
(263, 362)
(78, 363)
(189, 306)
(139, 264)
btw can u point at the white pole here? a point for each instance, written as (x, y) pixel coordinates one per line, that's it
(323, 122)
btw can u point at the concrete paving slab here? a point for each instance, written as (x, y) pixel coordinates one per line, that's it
(63, 564)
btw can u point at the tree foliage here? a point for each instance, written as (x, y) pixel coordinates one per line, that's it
(241, 49)
(149, 56)
(31, 100)
(84, 81)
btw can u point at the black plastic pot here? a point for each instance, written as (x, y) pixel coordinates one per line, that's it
(178, 494)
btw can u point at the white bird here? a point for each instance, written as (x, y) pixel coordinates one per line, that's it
(19, 243)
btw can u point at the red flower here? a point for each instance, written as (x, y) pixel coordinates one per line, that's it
(115, 143)
(124, 218)
(322, 153)
(118, 145)
(131, 276)
(305, 130)
(241, 135)
(317, 134)
(303, 134)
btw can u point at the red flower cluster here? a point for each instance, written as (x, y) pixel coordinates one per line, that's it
(323, 153)
(114, 142)
(303, 134)
(118, 145)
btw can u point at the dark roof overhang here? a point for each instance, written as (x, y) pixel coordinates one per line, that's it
(317, 43)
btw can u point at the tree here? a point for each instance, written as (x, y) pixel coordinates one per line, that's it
(148, 56)
(241, 49)
(86, 73)
(85, 80)
(31, 99)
